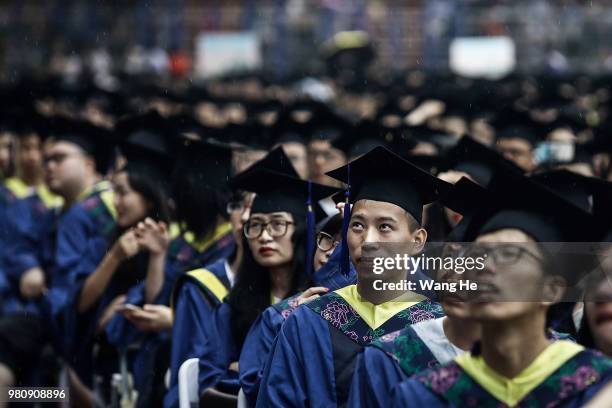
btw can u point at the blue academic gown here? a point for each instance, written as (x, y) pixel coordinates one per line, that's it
(313, 358)
(194, 329)
(263, 332)
(392, 359)
(572, 385)
(82, 235)
(183, 255)
(26, 224)
(388, 361)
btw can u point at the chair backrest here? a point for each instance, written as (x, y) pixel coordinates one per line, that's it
(242, 401)
(188, 383)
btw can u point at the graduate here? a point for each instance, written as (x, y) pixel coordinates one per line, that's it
(30, 204)
(594, 331)
(189, 304)
(206, 239)
(324, 153)
(273, 268)
(201, 236)
(312, 359)
(77, 156)
(28, 181)
(515, 363)
(398, 355)
(517, 136)
(592, 195)
(262, 334)
(136, 253)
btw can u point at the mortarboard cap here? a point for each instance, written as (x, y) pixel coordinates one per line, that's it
(381, 175)
(96, 141)
(149, 145)
(521, 203)
(275, 161)
(591, 194)
(277, 192)
(512, 124)
(331, 224)
(360, 139)
(208, 161)
(477, 160)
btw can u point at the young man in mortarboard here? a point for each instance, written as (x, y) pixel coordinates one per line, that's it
(76, 158)
(324, 151)
(516, 363)
(312, 359)
(397, 356)
(28, 180)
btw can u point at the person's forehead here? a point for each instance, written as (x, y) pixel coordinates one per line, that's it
(64, 147)
(293, 147)
(513, 142)
(376, 209)
(5, 137)
(505, 235)
(319, 144)
(30, 138)
(279, 214)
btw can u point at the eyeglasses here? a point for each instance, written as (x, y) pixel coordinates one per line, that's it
(502, 255)
(325, 242)
(276, 228)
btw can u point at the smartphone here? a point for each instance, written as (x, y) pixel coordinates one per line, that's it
(128, 306)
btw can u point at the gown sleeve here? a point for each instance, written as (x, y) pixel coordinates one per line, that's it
(411, 393)
(375, 374)
(220, 351)
(191, 332)
(255, 351)
(300, 370)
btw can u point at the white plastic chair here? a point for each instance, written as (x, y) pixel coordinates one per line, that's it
(242, 401)
(189, 395)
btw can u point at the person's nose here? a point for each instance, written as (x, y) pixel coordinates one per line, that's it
(265, 236)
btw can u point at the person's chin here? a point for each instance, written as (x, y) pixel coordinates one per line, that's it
(268, 261)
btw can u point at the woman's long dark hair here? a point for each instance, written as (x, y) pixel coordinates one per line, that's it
(250, 296)
(134, 269)
(585, 335)
(198, 206)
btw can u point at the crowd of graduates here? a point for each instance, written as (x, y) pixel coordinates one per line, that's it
(234, 222)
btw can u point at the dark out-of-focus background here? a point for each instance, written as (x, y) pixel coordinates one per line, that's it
(166, 36)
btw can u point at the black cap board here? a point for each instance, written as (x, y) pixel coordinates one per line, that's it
(95, 141)
(278, 192)
(149, 145)
(382, 175)
(477, 160)
(521, 203)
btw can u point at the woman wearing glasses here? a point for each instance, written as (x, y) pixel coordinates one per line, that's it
(271, 268)
(326, 277)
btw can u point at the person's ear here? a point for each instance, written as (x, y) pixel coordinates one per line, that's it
(90, 164)
(419, 238)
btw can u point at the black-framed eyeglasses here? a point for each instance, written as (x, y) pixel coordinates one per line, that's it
(502, 255)
(325, 242)
(276, 228)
